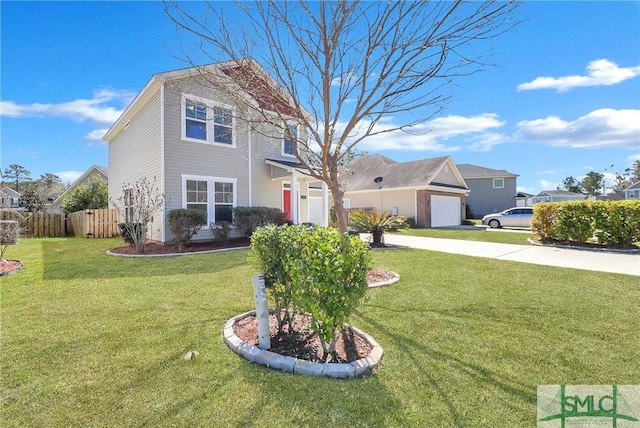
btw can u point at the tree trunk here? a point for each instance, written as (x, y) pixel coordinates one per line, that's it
(338, 206)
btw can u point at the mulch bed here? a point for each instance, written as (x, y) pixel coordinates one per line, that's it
(7, 267)
(303, 344)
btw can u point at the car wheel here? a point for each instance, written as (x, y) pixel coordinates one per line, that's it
(494, 224)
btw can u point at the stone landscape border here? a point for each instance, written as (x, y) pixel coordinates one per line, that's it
(393, 280)
(276, 361)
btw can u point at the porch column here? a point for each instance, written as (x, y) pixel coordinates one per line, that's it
(294, 199)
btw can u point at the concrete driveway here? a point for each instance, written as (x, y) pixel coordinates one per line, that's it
(602, 261)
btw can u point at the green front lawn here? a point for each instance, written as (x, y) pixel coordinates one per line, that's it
(95, 340)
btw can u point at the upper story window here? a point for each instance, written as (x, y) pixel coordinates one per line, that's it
(205, 121)
(498, 183)
(288, 143)
(195, 120)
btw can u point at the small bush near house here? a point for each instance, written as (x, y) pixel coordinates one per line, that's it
(313, 270)
(184, 223)
(127, 232)
(221, 231)
(248, 219)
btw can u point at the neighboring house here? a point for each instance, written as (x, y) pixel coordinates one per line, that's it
(558, 196)
(190, 137)
(615, 196)
(102, 172)
(9, 198)
(431, 191)
(524, 199)
(633, 191)
(491, 190)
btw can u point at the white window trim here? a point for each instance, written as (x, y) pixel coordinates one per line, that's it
(210, 123)
(210, 193)
(498, 187)
(282, 152)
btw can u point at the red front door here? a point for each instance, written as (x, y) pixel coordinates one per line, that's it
(286, 203)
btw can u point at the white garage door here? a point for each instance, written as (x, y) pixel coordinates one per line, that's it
(445, 211)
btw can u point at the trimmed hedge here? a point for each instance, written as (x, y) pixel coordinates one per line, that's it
(313, 270)
(184, 223)
(248, 219)
(614, 223)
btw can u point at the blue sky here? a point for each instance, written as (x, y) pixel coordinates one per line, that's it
(564, 100)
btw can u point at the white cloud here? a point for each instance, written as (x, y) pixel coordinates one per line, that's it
(600, 128)
(68, 177)
(433, 135)
(525, 189)
(599, 72)
(633, 158)
(550, 171)
(548, 185)
(99, 109)
(95, 135)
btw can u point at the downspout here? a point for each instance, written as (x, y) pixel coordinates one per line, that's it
(250, 172)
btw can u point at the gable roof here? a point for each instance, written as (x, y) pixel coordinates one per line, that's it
(633, 186)
(468, 170)
(559, 193)
(365, 174)
(102, 171)
(524, 195)
(245, 73)
(10, 192)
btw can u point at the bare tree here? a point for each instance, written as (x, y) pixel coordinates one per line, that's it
(136, 206)
(341, 71)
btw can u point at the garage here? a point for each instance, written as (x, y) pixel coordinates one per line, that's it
(445, 211)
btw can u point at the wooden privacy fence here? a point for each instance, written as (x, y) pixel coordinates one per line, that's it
(37, 225)
(93, 223)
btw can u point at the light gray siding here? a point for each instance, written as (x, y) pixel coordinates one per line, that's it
(484, 199)
(245, 162)
(135, 153)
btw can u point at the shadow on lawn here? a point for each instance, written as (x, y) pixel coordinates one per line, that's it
(414, 350)
(64, 261)
(321, 401)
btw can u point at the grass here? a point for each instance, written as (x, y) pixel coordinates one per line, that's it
(94, 340)
(478, 234)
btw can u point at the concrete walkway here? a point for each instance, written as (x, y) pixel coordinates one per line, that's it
(625, 263)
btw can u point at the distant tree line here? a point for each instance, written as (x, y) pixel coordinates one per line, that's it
(593, 183)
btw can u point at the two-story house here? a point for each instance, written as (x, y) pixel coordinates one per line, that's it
(206, 155)
(490, 190)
